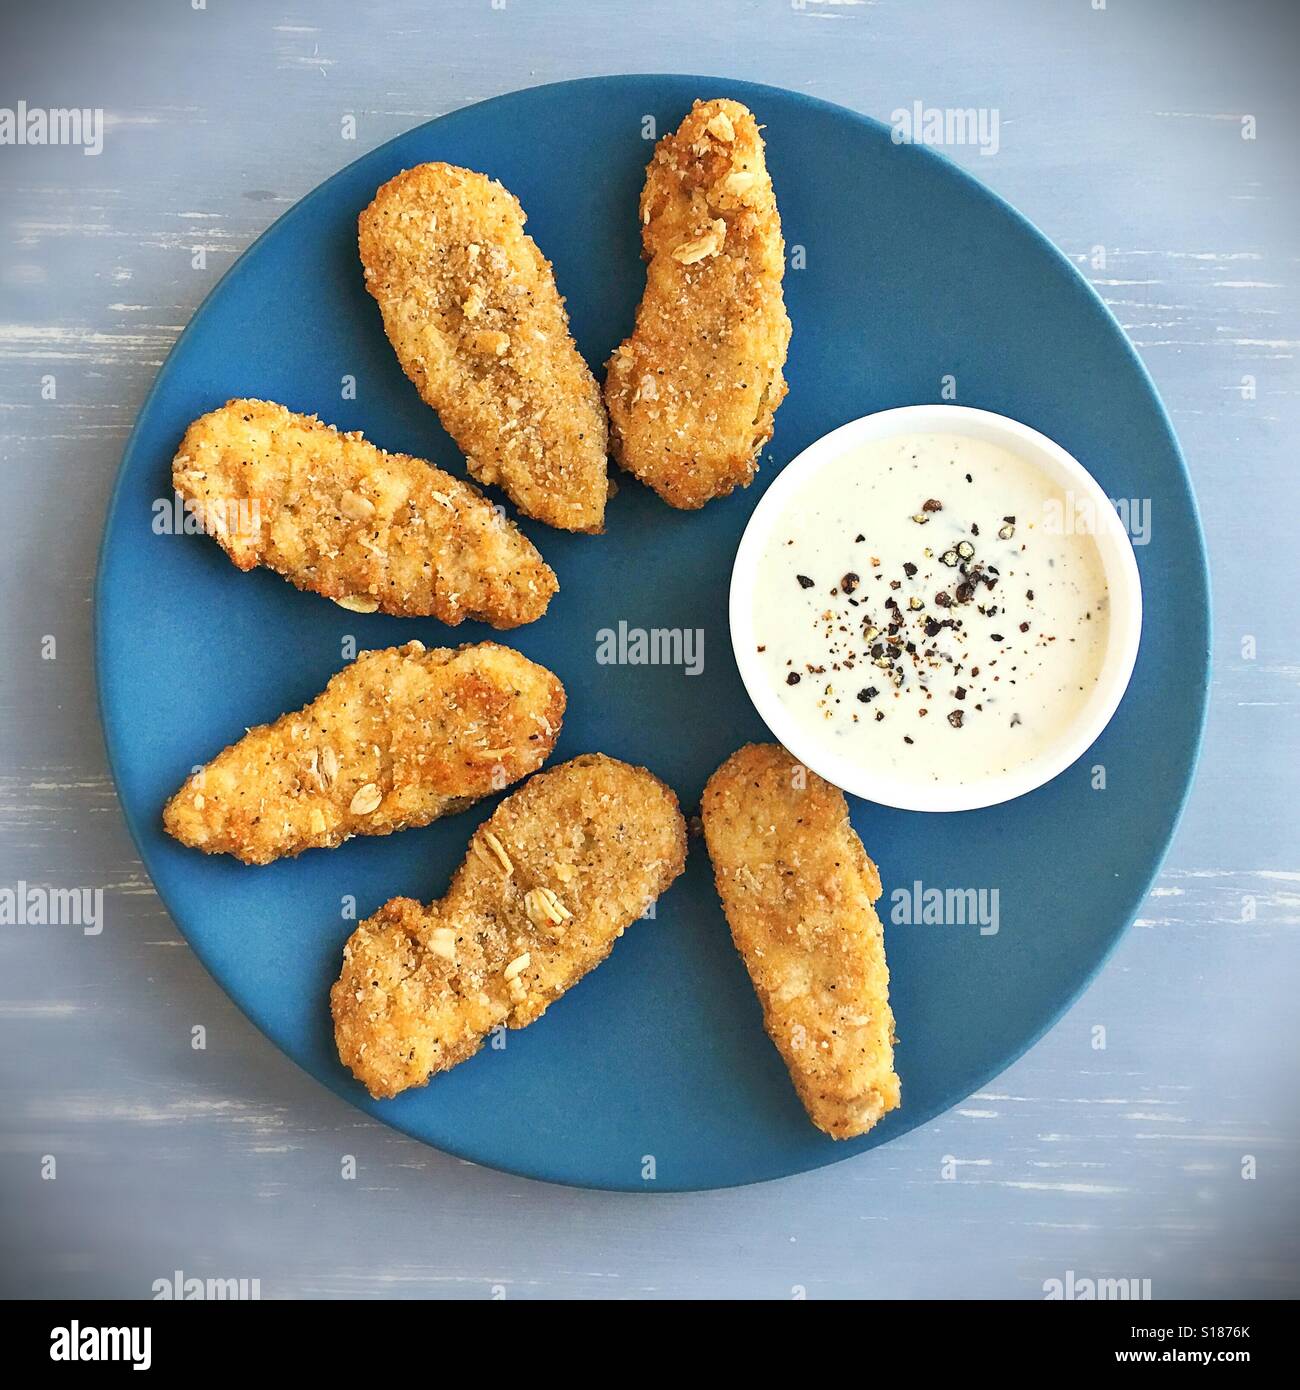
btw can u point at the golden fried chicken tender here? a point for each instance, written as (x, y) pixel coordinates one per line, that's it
(798, 888)
(397, 739)
(470, 305)
(337, 516)
(551, 880)
(692, 393)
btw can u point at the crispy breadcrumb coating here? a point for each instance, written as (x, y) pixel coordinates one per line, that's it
(550, 881)
(692, 393)
(470, 305)
(337, 516)
(397, 739)
(798, 888)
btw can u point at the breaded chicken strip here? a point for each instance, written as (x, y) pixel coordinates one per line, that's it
(397, 739)
(471, 307)
(798, 888)
(342, 518)
(550, 882)
(692, 392)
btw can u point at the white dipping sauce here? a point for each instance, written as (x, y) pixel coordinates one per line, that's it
(933, 643)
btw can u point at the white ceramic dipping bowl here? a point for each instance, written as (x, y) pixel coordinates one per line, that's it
(1125, 591)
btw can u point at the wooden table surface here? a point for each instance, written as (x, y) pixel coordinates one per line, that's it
(1154, 142)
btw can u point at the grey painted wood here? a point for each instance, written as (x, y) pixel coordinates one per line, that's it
(1120, 128)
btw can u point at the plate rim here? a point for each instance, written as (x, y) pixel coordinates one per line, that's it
(974, 187)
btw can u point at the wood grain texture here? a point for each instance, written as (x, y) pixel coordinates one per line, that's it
(1120, 131)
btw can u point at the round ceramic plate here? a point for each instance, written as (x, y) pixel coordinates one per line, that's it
(904, 271)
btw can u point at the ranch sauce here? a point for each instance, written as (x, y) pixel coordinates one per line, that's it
(925, 610)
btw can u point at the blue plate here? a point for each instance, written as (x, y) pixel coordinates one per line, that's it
(909, 271)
